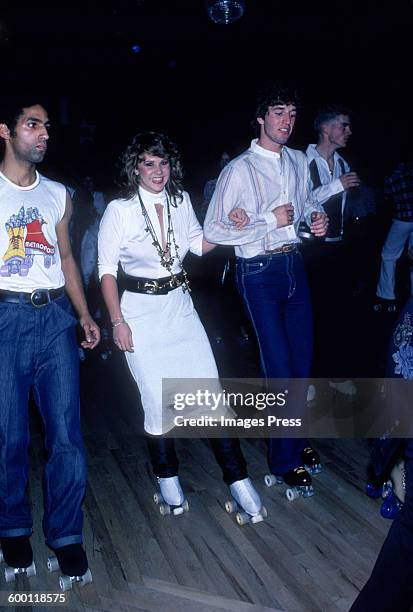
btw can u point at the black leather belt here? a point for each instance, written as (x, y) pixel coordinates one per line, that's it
(285, 248)
(37, 298)
(153, 286)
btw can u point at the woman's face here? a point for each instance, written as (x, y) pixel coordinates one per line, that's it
(153, 173)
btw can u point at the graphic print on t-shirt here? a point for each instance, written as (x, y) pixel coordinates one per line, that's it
(26, 241)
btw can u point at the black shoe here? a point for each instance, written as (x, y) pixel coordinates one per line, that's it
(311, 460)
(298, 477)
(17, 551)
(72, 560)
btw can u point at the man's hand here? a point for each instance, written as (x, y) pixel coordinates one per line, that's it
(91, 330)
(319, 224)
(284, 214)
(122, 337)
(239, 217)
(350, 179)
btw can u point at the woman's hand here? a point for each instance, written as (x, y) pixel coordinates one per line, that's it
(122, 337)
(239, 217)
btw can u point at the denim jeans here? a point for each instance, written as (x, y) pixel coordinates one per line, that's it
(400, 232)
(39, 352)
(276, 296)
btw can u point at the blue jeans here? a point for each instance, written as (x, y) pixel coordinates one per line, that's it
(277, 299)
(39, 352)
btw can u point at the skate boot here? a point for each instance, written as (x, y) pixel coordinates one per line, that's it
(384, 305)
(246, 502)
(14, 257)
(394, 491)
(298, 480)
(171, 499)
(346, 387)
(17, 553)
(311, 460)
(72, 562)
(36, 243)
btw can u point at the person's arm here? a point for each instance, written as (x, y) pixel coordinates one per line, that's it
(73, 282)
(232, 193)
(110, 238)
(122, 334)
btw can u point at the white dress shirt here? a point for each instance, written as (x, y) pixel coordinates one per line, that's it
(258, 181)
(123, 237)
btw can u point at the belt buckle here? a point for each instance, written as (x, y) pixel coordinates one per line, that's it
(286, 248)
(40, 298)
(152, 286)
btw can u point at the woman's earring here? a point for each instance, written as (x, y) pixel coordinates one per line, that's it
(136, 172)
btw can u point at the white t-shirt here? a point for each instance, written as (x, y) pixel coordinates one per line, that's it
(29, 254)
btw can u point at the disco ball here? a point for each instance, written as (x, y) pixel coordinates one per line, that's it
(225, 11)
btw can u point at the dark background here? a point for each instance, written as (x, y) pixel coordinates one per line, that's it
(197, 80)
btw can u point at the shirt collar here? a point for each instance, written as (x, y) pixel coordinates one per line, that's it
(255, 148)
(19, 187)
(149, 198)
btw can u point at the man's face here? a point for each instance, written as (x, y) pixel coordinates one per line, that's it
(29, 139)
(276, 126)
(338, 131)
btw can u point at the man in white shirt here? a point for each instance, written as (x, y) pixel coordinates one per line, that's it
(37, 335)
(328, 260)
(270, 182)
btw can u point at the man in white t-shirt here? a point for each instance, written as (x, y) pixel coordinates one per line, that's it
(39, 353)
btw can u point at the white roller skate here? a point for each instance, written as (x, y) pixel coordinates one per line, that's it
(298, 481)
(17, 554)
(72, 562)
(246, 503)
(171, 499)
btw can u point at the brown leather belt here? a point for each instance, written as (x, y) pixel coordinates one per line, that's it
(285, 248)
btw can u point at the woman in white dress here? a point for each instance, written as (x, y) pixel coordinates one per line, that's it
(149, 232)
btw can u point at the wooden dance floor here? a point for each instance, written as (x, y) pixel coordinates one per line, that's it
(309, 555)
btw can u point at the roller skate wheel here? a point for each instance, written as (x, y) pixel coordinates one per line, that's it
(178, 511)
(292, 494)
(185, 505)
(52, 564)
(242, 518)
(270, 480)
(157, 498)
(264, 512)
(10, 574)
(377, 307)
(86, 578)
(1, 556)
(31, 570)
(65, 583)
(231, 506)
(164, 509)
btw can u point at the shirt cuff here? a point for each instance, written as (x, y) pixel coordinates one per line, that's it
(107, 270)
(196, 245)
(271, 220)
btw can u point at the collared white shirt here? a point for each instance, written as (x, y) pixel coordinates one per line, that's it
(123, 237)
(330, 181)
(258, 181)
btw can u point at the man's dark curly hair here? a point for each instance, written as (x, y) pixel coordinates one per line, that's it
(159, 145)
(273, 94)
(329, 112)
